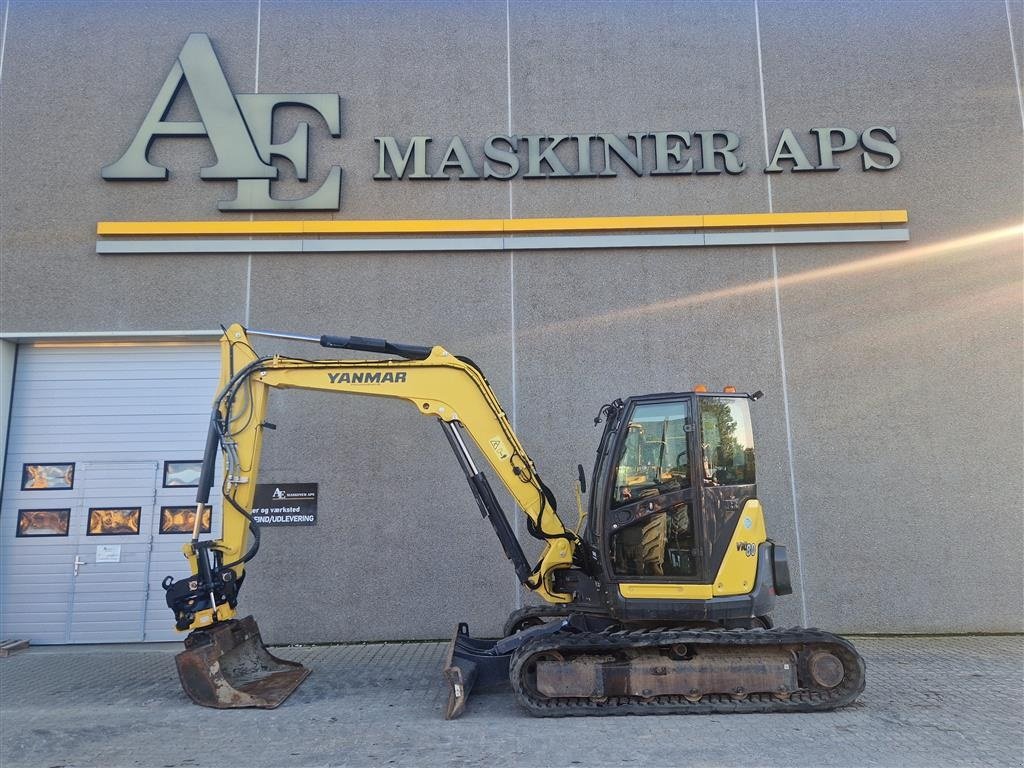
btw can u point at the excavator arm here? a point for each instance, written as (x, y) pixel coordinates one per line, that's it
(435, 382)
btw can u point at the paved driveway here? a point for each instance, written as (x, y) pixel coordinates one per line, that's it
(930, 701)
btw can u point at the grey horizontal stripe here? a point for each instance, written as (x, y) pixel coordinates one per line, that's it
(342, 245)
(556, 242)
(521, 243)
(114, 247)
(808, 236)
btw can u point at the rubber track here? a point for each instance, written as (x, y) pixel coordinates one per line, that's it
(605, 642)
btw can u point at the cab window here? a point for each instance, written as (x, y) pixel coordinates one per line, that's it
(727, 441)
(653, 459)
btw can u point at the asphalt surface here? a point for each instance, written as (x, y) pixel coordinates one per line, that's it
(929, 701)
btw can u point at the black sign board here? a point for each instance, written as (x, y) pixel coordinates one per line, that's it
(285, 504)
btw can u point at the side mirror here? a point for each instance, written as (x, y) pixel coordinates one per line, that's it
(583, 478)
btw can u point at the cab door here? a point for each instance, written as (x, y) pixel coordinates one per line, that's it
(650, 530)
(728, 478)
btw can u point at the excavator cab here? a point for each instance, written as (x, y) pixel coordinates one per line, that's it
(674, 526)
(673, 472)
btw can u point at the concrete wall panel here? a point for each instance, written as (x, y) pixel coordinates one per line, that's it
(592, 326)
(402, 70)
(656, 321)
(668, 57)
(405, 532)
(77, 83)
(899, 358)
(400, 531)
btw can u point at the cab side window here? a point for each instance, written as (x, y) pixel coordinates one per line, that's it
(727, 441)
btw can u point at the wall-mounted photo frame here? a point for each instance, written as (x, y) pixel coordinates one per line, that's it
(114, 521)
(48, 476)
(182, 474)
(43, 522)
(181, 520)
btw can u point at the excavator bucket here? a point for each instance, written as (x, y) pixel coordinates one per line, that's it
(471, 662)
(228, 666)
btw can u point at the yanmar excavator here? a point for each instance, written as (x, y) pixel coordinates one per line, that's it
(660, 603)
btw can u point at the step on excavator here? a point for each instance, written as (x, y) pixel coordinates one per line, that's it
(659, 602)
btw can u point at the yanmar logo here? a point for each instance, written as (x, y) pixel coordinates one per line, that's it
(240, 129)
(368, 377)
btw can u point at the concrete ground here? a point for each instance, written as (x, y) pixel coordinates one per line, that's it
(929, 701)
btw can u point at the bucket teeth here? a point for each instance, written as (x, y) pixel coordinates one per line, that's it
(228, 666)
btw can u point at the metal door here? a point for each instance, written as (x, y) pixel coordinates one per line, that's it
(38, 546)
(111, 567)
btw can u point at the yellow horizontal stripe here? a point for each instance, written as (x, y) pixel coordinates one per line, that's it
(199, 228)
(405, 227)
(497, 226)
(666, 591)
(804, 219)
(603, 223)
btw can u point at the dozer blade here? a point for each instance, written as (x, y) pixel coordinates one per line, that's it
(228, 666)
(470, 662)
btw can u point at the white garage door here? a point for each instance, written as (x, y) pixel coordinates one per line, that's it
(102, 459)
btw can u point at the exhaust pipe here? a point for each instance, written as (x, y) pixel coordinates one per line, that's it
(228, 666)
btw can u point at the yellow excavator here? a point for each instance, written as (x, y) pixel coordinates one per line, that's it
(659, 602)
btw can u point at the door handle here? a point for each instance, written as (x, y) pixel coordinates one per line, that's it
(78, 563)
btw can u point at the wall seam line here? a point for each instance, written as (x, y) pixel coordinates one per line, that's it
(517, 524)
(778, 327)
(3, 50)
(3, 38)
(252, 216)
(1016, 65)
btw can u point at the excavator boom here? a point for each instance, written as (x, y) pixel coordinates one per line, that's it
(225, 663)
